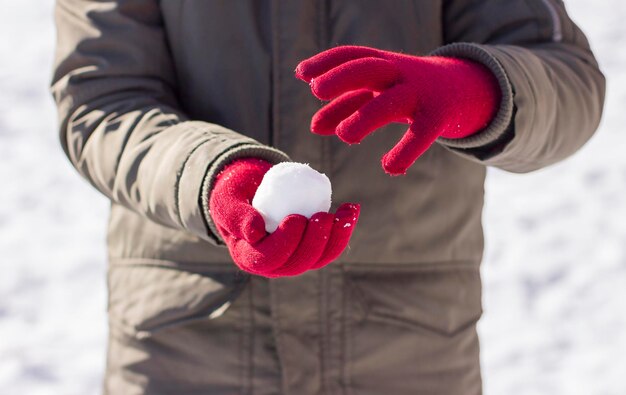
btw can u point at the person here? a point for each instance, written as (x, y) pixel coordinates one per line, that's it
(176, 109)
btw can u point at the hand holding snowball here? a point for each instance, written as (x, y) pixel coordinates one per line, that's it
(291, 188)
(298, 243)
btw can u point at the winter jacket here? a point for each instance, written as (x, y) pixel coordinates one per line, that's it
(154, 97)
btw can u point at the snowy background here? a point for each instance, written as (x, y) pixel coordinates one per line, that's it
(554, 270)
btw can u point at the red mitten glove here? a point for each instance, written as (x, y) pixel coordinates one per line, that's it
(436, 96)
(299, 244)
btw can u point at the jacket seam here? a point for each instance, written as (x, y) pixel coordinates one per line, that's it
(532, 115)
(322, 310)
(347, 268)
(371, 267)
(557, 27)
(275, 137)
(323, 43)
(240, 325)
(376, 314)
(346, 354)
(276, 325)
(179, 176)
(170, 264)
(322, 279)
(251, 339)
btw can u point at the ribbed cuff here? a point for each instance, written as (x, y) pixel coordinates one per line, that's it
(244, 150)
(503, 118)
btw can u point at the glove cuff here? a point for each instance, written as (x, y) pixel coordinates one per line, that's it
(246, 150)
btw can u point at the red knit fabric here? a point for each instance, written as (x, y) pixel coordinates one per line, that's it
(369, 88)
(299, 244)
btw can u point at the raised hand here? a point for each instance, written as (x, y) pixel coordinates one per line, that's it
(369, 88)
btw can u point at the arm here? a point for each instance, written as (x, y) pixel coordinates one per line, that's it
(552, 88)
(120, 124)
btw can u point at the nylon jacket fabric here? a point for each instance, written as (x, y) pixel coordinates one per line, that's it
(155, 97)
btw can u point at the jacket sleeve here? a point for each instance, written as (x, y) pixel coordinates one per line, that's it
(552, 88)
(120, 124)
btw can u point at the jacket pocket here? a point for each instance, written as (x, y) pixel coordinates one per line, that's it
(145, 298)
(412, 329)
(444, 298)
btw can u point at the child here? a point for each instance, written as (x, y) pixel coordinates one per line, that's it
(175, 110)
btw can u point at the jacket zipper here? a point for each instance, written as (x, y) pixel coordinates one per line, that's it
(557, 32)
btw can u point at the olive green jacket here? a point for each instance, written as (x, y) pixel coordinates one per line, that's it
(154, 97)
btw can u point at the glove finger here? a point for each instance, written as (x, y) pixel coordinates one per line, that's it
(328, 117)
(250, 226)
(345, 220)
(381, 110)
(365, 73)
(239, 219)
(274, 250)
(410, 147)
(331, 58)
(310, 248)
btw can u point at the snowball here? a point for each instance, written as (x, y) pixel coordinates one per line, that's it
(291, 188)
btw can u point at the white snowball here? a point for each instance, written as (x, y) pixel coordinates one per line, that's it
(291, 188)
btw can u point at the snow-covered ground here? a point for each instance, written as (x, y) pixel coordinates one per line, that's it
(554, 271)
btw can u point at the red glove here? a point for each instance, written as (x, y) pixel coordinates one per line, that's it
(299, 244)
(436, 96)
